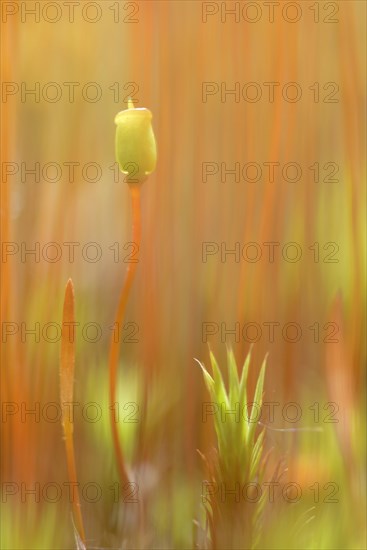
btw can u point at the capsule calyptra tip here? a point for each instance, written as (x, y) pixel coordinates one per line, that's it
(135, 146)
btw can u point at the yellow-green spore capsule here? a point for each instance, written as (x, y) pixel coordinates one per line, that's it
(136, 151)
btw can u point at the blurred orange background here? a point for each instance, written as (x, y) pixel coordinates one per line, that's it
(164, 60)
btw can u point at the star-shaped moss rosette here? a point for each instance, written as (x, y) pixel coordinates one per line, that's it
(238, 460)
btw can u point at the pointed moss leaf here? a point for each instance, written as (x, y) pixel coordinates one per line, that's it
(256, 455)
(220, 389)
(244, 375)
(218, 425)
(209, 382)
(243, 395)
(257, 403)
(234, 384)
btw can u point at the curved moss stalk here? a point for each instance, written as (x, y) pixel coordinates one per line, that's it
(115, 342)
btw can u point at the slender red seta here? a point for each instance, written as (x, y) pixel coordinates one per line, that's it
(115, 342)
